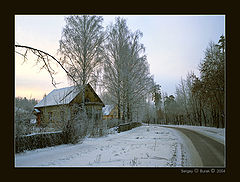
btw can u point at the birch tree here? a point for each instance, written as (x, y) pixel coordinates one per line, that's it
(126, 71)
(81, 51)
(81, 48)
(118, 35)
(136, 76)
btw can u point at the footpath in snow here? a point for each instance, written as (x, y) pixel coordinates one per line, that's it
(145, 146)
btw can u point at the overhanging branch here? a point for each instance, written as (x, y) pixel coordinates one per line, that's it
(40, 54)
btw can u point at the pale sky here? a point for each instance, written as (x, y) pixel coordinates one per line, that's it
(174, 45)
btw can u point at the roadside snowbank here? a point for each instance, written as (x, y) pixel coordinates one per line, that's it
(145, 146)
(217, 134)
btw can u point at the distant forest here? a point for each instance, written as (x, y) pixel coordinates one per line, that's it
(200, 100)
(25, 104)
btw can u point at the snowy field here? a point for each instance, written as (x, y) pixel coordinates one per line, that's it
(145, 146)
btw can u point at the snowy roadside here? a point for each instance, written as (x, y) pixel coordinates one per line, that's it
(145, 146)
(217, 134)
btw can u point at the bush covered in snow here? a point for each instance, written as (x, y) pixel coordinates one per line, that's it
(74, 129)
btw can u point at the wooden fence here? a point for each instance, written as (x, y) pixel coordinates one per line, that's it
(128, 126)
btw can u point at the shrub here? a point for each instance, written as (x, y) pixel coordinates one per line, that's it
(39, 140)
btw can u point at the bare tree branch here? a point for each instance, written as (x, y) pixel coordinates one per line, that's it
(44, 56)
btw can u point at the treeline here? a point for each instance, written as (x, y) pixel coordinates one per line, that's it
(23, 115)
(22, 103)
(200, 100)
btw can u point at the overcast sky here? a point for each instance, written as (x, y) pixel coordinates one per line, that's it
(174, 46)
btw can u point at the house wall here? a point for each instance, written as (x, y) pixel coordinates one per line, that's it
(94, 111)
(55, 114)
(89, 94)
(61, 113)
(93, 103)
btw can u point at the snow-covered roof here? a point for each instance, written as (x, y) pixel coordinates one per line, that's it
(107, 109)
(59, 97)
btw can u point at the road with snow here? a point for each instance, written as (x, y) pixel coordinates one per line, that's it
(144, 146)
(210, 151)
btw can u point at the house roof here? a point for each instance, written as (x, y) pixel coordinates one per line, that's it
(63, 96)
(107, 109)
(59, 97)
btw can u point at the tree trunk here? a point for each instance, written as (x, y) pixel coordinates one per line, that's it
(128, 113)
(118, 109)
(124, 114)
(222, 119)
(214, 118)
(204, 117)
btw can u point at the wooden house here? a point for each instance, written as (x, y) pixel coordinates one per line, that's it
(58, 105)
(110, 112)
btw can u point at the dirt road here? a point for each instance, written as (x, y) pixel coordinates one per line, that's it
(210, 151)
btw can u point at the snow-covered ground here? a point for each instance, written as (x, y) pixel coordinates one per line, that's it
(145, 146)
